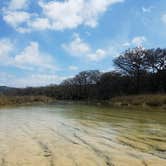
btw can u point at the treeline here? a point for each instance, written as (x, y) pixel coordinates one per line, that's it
(138, 71)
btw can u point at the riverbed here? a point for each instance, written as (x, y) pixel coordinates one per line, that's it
(81, 135)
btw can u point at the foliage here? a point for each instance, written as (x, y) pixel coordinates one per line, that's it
(138, 71)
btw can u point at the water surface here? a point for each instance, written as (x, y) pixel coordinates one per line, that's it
(80, 135)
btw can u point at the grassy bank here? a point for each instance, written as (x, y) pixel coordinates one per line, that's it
(19, 100)
(133, 101)
(157, 100)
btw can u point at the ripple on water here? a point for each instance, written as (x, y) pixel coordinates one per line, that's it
(80, 135)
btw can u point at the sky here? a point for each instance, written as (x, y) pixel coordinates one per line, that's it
(43, 42)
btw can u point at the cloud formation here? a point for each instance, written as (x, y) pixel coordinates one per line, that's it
(30, 58)
(135, 42)
(79, 48)
(55, 15)
(73, 68)
(139, 40)
(6, 47)
(17, 4)
(39, 65)
(17, 19)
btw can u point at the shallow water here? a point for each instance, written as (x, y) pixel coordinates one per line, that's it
(80, 135)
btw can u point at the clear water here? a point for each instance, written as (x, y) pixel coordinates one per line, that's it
(80, 135)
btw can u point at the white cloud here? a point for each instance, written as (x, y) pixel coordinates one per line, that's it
(73, 68)
(163, 18)
(16, 18)
(79, 48)
(139, 40)
(56, 15)
(17, 4)
(32, 57)
(98, 55)
(40, 24)
(136, 41)
(114, 49)
(14, 14)
(71, 14)
(6, 47)
(64, 14)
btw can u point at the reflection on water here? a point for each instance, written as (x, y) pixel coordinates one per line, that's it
(79, 135)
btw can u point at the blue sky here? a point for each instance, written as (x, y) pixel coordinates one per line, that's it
(45, 41)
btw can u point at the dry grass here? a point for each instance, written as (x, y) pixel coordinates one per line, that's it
(157, 100)
(17, 100)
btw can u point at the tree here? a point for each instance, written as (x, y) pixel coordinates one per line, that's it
(110, 85)
(132, 63)
(82, 86)
(156, 61)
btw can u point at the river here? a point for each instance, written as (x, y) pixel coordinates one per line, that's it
(81, 135)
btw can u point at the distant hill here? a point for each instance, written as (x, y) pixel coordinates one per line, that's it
(4, 89)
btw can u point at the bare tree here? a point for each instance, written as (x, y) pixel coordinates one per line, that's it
(132, 63)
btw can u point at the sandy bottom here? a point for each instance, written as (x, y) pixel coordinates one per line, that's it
(81, 136)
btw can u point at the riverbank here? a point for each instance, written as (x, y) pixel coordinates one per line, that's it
(158, 101)
(20, 100)
(133, 101)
